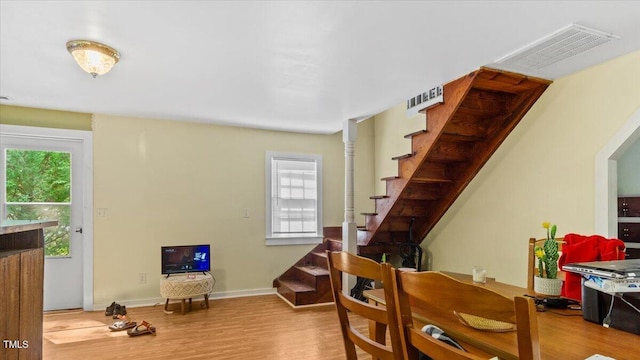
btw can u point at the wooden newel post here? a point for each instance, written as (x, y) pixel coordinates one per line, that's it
(349, 229)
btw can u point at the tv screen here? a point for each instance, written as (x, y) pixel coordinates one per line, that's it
(186, 258)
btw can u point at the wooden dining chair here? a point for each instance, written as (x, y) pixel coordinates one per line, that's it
(532, 270)
(468, 313)
(374, 344)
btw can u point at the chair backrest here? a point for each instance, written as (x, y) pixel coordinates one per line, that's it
(532, 270)
(439, 296)
(344, 262)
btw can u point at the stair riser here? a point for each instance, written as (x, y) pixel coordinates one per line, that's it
(311, 279)
(451, 152)
(334, 245)
(423, 192)
(304, 297)
(318, 260)
(332, 232)
(436, 171)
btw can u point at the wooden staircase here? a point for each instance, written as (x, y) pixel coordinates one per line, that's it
(478, 112)
(307, 282)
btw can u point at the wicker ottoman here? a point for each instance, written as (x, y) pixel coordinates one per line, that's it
(183, 286)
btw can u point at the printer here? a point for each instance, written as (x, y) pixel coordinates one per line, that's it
(610, 292)
(611, 301)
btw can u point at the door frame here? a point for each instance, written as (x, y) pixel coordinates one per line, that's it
(606, 176)
(86, 137)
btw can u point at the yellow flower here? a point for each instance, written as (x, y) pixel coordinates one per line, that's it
(539, 252)
(546, 224)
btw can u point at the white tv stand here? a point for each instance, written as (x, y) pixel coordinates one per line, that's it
(186, 286)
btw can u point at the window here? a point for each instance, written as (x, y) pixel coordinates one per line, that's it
(294, 198)
(37, 186)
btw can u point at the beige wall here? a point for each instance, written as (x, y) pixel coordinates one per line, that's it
(390, 128)
(544, 171)
(168, 182)
(17, 115)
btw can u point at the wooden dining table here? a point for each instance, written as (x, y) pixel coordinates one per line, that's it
(563, 333)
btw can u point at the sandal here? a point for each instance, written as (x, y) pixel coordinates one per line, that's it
(142, 329)
(122, 325)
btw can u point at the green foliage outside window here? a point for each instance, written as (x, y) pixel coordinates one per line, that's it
(38, 187)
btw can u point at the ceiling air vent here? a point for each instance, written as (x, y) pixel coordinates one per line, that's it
(565, 43)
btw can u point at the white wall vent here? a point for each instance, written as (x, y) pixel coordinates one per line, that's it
(426, 99)
(564, 43)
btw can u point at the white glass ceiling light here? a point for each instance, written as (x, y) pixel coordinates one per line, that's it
(93, 57)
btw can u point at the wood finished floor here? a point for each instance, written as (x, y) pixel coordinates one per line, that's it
(259, 327)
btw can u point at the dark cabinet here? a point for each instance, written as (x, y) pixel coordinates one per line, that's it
(21, 289)
(629, 224)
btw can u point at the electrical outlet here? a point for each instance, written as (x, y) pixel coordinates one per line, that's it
(142, 278)
(245, 213)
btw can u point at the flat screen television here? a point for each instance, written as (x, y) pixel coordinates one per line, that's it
(186, 259)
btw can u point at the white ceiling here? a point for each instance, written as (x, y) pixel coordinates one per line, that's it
(302, 66)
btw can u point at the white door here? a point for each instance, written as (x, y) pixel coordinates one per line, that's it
(42, 179)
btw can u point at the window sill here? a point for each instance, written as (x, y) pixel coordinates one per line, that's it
(293, 240)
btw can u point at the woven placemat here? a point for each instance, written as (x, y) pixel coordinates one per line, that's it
(485, 324)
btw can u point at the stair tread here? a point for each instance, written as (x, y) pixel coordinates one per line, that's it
(405, 156)
(314, 270)
(375, 197)
(415, 133)
(430, 180)
(297, 285)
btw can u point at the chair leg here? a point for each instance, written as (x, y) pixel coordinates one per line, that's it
(378, 333)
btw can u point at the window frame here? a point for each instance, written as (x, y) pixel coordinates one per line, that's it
(292, 239)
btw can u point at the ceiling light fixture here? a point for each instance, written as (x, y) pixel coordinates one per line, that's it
(93, 57)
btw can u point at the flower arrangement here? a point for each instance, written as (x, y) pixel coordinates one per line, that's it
(547, 254)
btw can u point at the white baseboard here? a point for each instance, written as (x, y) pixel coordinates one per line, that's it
(214, 296)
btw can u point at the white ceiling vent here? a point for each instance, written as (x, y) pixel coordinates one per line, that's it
(564, 43)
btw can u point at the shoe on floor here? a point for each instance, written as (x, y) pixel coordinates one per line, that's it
(142, 329)
(122, 325)
(109, 310)
(119, 310)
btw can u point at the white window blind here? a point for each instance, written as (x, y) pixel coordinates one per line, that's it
(294, 198)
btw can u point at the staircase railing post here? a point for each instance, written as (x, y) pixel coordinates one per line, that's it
(349, 228)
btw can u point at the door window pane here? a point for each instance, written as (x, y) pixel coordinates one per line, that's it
(38, 187)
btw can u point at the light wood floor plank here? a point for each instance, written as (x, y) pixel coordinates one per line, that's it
(259, 327)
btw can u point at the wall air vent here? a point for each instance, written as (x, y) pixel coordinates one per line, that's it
(565, 43)
(426, 99)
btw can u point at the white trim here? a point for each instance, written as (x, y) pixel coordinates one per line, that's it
(212, 296)
(606, 176)
(86, 137)
(292, 239)
(297, 240)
